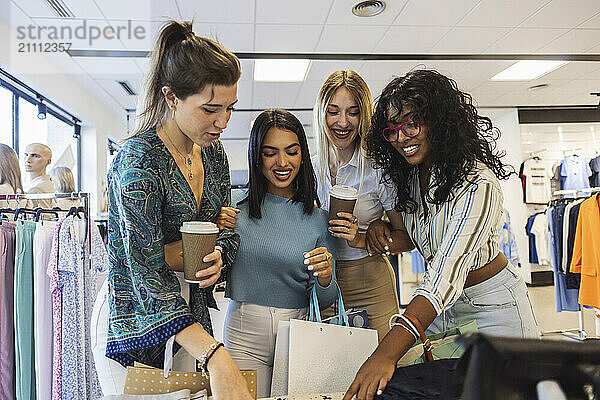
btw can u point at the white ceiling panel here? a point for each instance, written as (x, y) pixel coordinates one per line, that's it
(386, 70)
(141, 10)
(117, 92)
(468, 40)
(411, 39)
(286, 38)
(320, 70)
(572, 70)
(592, 23)
(244, 94)
(504, 13)
(307, 12)
(575, 41)
(499, 88)
(434, 12)
(247, 70)
(106, 65)
(136, 35)
(525, 40)
(229, 11)
(275, 94)
(482, 70)
(40, 8)
(341, 13)
(350, 38)
(563, 14)
(234, 37)
(308, 94)
(581, 87)
(484, 100)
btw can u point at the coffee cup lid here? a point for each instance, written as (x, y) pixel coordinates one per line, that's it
(344, 192)
(199, 227)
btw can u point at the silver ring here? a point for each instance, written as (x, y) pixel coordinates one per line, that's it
(355, 220)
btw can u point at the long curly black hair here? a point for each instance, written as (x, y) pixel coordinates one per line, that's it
(457, 134)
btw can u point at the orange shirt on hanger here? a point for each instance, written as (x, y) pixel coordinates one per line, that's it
(586, 252)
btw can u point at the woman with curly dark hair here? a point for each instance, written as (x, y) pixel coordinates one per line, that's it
(440, 155)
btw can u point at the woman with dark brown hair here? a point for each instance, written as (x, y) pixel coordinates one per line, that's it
(173, 169)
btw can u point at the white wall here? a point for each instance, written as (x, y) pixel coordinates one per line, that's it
(507, 121)
(55, 76)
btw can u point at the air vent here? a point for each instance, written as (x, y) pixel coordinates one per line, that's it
(60, 8)
(127, 88)
(368, 8)
(537, 87)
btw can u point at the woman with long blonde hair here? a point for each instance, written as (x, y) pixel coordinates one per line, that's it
(342, 116)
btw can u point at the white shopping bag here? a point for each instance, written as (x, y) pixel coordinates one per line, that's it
(315, 357)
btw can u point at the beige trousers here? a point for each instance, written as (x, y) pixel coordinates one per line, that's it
(368, 284)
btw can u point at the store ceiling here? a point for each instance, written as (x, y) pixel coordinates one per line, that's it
(429, 27)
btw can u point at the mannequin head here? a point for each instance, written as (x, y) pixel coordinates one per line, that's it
(37, 157)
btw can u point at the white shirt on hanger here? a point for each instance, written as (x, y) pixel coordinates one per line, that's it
(542, 233)
(537, 182)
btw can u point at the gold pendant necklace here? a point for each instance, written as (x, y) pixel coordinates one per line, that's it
(187, 161)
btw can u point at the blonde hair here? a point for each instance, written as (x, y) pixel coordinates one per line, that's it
(10, 172)
(186, 63)
(359, 90)
(62, 179)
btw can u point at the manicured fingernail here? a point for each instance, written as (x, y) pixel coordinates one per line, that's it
(385, 247)
(306, 255)
(306, 261)
(370, 254)
(391, 241)
(379, 392)
(310, 267)
(316, 274)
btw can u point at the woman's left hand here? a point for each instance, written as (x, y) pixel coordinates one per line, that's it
(319, 263)
(345, 227)
(211, 274)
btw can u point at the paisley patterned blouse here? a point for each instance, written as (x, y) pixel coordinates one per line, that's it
(149, 199)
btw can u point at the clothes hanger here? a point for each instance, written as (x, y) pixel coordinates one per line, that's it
(23, 211)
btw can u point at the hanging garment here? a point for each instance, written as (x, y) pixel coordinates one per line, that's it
(417, 262)
(573, 279)
(77, 281)
(24, 341)
(508, 243)
(537, 181)
(42, 308)
(533, 257)
(595, 168)
(7, 338)
(575, 173)
(539, 228)
(566, 299)
(586, 251)
(56, 294)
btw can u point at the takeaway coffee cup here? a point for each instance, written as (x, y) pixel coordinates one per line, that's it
(341, 199)
(198, 239)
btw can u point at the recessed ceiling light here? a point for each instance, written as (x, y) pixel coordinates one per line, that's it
(368, 8)
(525, 70)
(280, 70)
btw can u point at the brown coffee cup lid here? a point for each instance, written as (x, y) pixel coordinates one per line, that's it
(199, 227)
(344, 192)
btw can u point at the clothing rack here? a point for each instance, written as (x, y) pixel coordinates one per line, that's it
(579, 332)
(84, 196)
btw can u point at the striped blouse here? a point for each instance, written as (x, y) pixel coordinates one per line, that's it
(456, 237)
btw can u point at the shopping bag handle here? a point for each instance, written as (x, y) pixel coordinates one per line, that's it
(314, 313)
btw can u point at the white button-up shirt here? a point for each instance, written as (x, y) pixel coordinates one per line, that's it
(373, 199)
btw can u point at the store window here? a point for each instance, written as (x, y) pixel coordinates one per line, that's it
(6, 116)
(50, 131)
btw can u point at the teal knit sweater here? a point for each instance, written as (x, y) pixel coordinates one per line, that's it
(268, 269)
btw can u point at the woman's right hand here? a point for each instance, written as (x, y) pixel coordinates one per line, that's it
(226, 380)
(379, 237)
(226, 218)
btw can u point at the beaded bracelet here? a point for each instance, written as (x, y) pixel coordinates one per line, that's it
(206, 356)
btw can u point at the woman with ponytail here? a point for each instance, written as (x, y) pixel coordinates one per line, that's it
(172, 170)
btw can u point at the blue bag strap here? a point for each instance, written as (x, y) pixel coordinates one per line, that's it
(314, 313)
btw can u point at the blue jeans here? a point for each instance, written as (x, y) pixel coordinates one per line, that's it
(500, 306)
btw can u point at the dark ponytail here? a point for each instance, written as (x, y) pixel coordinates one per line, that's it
(187, 64)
